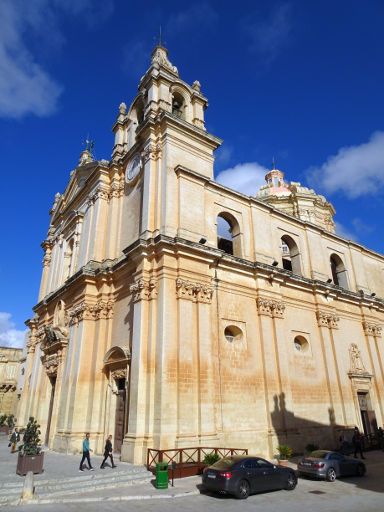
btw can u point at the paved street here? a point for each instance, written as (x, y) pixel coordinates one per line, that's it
(349, 495)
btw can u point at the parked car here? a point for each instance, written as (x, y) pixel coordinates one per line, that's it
(330, 465)
(243, 475)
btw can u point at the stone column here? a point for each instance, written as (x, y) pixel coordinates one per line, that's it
(206, 376)
(137, 439)
(150, 156)
(328, 322)
(372, 333)
(275, 407)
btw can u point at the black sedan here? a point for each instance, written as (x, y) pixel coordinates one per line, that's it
(243, 475)
(330, 465)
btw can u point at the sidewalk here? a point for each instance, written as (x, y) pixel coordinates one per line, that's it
(62, 482)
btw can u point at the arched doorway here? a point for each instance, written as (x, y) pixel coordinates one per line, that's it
(116, 368)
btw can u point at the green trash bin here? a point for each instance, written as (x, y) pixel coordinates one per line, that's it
(161, 475)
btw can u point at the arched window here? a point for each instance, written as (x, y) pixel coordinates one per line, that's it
(140, 111)
(339, 273)
(178, 105)
(228, 234)
(290, 255)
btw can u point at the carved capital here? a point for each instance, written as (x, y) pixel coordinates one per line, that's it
(117, 189)
(372, 329)
(270, 307)
(99, 193)
(151, 152)
(144, 289)
(102, 309)
(197, 292)
(327, 319)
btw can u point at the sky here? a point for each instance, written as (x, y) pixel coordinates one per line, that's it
(301, 82)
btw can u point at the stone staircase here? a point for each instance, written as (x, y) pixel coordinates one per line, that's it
(83, 483)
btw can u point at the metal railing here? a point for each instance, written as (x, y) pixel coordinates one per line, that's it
(194, 455)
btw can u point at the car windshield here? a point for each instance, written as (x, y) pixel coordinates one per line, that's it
(319, 454)
(225, 463)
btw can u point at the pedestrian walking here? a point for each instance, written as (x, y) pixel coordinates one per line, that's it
(86, 450)
(13, 440)
(343, 444)
(380, 435)
(108, 452)
(357, 441)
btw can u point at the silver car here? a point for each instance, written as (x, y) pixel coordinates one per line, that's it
(330, 465)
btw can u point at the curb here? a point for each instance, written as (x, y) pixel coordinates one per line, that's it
(47, 501)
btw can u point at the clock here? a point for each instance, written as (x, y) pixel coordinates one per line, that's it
(133, 168)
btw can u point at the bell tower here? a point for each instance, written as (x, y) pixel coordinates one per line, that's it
(164, 128)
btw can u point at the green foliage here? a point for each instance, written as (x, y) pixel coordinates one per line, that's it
(31, 440)
(3, 419)
(311, 447)
(285, 452)
(11, 421)
(210, 459)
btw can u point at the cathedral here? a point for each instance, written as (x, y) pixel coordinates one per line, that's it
(175, 312)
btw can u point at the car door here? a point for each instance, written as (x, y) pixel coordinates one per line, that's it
(340, 463)
(252, 474)
(269, 476)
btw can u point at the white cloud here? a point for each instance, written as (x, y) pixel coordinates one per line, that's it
(25, 86)
(355, 170)
(246, 178)
(201, 15)
(9, 336)
(344, 232)
(270, 34)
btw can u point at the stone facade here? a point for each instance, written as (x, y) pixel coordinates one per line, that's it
(153, 328)
(10, 369)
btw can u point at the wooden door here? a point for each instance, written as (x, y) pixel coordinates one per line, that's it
(119, 420)
(53, 384)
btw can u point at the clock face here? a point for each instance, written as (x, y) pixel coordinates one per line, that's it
(133, 168)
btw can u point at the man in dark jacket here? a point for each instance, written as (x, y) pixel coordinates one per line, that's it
(108, 452)
(357, 441)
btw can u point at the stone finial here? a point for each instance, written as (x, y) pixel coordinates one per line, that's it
(85, 157)
(122, 108)
(196, 86)
(160, 59)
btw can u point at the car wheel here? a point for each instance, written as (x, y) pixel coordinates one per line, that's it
(243, 490)
(360, 471)
(291, 482)
(331, 475)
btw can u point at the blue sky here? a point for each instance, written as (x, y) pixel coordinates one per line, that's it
(300, 81)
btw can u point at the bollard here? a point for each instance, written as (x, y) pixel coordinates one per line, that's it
(28, 488)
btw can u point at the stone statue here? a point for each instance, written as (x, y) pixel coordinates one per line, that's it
(356, 361)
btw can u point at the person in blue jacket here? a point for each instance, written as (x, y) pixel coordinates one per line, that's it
(86, 450)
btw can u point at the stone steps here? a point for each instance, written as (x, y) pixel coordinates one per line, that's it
(103, 479)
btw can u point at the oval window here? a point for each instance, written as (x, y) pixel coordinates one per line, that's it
(233, 333)
(301, 344)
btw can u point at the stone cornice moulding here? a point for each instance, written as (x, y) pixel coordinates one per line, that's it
(270, 307)
(102, 309)
(144, 289)
(194, 291)
(327, 319)
(372, 329)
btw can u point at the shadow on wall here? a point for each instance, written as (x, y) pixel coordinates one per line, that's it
(298, 432)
